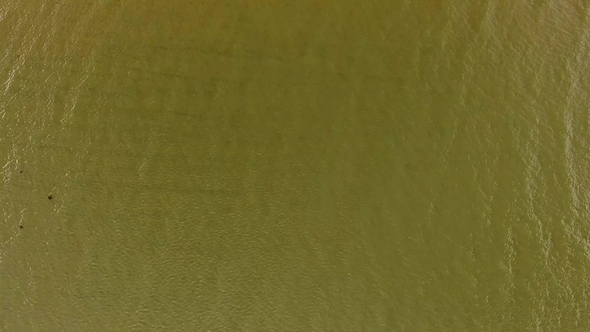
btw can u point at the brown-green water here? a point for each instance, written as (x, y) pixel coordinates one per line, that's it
(313, 166)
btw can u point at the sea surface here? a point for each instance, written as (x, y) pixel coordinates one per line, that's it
(294, 166)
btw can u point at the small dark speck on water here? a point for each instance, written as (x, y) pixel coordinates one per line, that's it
(50, 197)
(21, 171)
(20, 226)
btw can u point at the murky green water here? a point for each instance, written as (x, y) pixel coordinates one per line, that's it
(317, 166)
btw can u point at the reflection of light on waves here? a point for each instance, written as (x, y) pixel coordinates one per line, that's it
(530, 147)
(511, 260)
(569, 150)
(6, 169)
(30, 39)
(21, 46)
(76, 41)
(576, 108)
(576, 68)
(79, 45)
(8, 82)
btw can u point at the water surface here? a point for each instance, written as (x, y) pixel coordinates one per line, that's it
(347, 166)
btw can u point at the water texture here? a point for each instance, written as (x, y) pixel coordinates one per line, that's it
(294, 166)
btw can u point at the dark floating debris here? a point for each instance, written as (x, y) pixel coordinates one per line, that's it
(50, 197)
(21, 171)
(20, 226)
